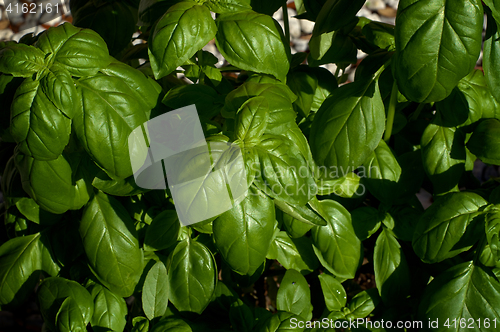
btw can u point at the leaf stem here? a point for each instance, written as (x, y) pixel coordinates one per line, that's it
(285, 22)
(391, 111)
(415, 114)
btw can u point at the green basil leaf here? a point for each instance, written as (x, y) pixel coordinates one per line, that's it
(334, 46)
(241, 317)
(392, 274)
(155, 291)
(363, 303)
(183, 30)
(253, 42)
(163, 231)
(282, 172)
(304, 214)
(21, 60)
(123, 187)
(98, 15)
(312, 86)
(172, 324)
(31, 210)
(282, 321)
(205, 98)
(70, 318)
(110, 310)
(111, 99)
(333, 291)
(491, 53)
(294, 295)
(366, 221)
(443, 154)
(41, 129)
(52, 183)
(279, 98)
(296, 254)
(348, 126)
(492, 5)
(492, 228)
(243, 234)
(251, 121)
(228, 6)
(428, 35)
(456, 295)
(294, 228)
(56, 311)
(447, 227)
(485, 141)
(192, 276)
(82, 52)
(20, 259)
(384, 173)
(380, 34)
(336, 244)
(336, 14)
(59, 88)
(110, 242)
(140, 324)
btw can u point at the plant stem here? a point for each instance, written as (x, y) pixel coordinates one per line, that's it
(285, 22)
(415, 114)
(391, 112)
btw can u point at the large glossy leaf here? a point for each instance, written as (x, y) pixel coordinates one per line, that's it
(70, 318)
(437, 44)
(228, 6)
(391, 270)
(80, 51)
(363, 304)
(294, 295)
(155, 291)
(111, 245)
(183, 30)
(294, 254)
(336, 244)
(492, 228)
(382, 172)
(443, 156)
(115, 21)
(112, 99)
(333, 291)
(366, 221)
(485, 141)
(253, 42)
(491, 55)
(243, 234)
(41, 129)
(251, 121)
(279, 98)
(348, 126)
(448, 227)
(20, 258)
(192, 275)
(65, 303)
(282, 171)
(336, 14)
(465, 292)
(312, 86)
(110, 310)
(52, 183)
(163, 231)
(21, 60)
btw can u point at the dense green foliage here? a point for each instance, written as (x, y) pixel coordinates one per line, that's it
(332, 168)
